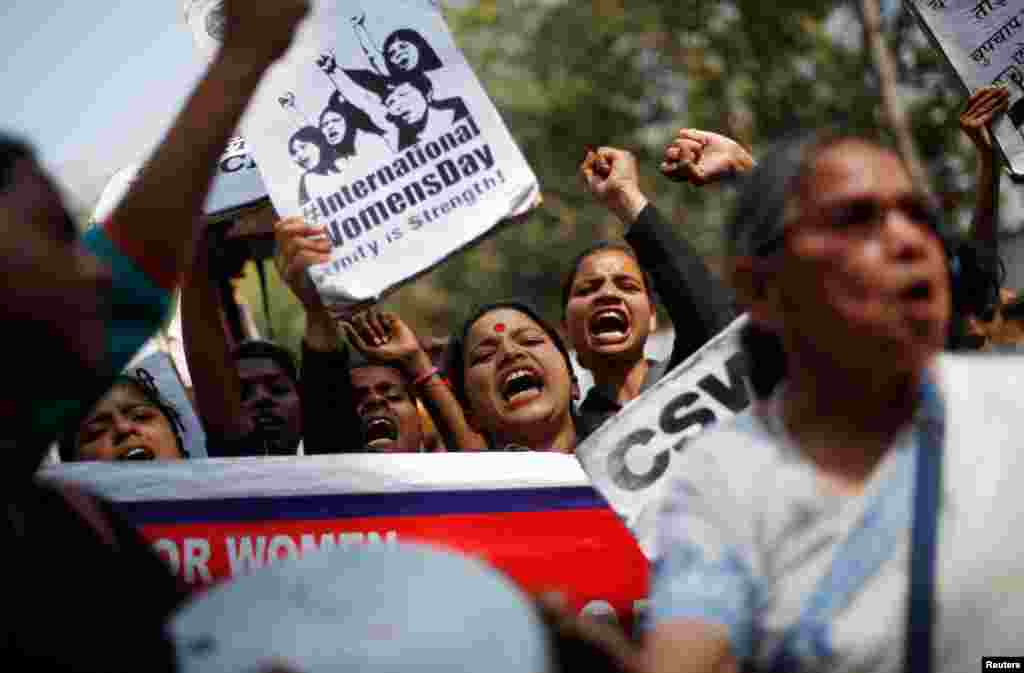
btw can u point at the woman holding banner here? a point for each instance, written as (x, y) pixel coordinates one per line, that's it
(807, 534)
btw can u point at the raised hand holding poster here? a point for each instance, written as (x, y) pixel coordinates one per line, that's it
(375, 127)
(983, 41)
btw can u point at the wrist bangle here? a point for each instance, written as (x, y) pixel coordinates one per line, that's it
(425, 376)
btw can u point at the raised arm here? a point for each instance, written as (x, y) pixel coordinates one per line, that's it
(328, 402)
(352, 91)
(698, 304)
(374, 54)
(982, 107)
(215, 382)
(386, 337)
(157, 219)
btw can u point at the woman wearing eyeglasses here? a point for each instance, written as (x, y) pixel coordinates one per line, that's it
(862, 517)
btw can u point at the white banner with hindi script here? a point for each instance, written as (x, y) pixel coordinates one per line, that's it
(983, 41)
(375, 126)
(630, 458)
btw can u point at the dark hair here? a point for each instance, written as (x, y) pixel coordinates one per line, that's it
(358, 360)
(143, 382)
(355, 120)
(311, 134)
(12, 150)
(455, 355)
(256, 348)
(420, 82)
(976, 275)
(601, 246)
(428, 59)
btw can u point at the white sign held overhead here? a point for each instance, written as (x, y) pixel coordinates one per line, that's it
(375, 127)
(630, 458)
(983, 41)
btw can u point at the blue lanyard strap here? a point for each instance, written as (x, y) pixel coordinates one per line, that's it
(918, 650)
(871, 543)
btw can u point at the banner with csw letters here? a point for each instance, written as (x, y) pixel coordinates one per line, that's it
(630, 457)
(374, 126)
(534, 516)
(983, 41)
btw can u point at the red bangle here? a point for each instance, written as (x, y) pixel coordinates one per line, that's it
(425, 376)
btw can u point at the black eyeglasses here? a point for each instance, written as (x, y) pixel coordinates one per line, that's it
(865, 213)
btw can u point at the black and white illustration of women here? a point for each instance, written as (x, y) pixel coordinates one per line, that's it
(385, 108)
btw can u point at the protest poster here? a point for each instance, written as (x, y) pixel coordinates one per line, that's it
(983, 42)
(375, 127)
(534, 516)
(629, 458)
(237, 185)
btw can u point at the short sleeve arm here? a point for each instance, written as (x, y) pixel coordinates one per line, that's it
(705, 571)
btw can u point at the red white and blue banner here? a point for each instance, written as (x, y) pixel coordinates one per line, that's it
(534, 516)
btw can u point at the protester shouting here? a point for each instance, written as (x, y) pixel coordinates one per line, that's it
(512, 374)
(377, 392)
(247, 396)
(133, 421)
(789, 533)
(608, 298)
(88, 304)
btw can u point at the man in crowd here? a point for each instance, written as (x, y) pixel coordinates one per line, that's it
(340, 392)
(247, 395)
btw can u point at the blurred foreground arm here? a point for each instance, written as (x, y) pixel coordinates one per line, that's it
(156, 222)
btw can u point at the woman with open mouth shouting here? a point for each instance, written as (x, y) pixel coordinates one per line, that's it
(608, 298)
(512, 374)
(133, 421)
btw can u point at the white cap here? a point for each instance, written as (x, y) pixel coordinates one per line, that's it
(373, 608)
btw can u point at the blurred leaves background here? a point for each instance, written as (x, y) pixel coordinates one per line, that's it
(571, 73)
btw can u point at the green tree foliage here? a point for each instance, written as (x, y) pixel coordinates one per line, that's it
(566, 74)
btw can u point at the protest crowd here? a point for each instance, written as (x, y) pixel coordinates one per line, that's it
(845, 521)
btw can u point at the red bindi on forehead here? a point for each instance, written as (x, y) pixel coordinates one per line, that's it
(499, 328)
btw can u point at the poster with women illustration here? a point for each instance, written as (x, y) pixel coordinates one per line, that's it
(375, 127)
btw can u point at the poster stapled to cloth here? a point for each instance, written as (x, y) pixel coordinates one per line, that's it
(375, 127)
(534, 516)
(983, 42)
(630, 457)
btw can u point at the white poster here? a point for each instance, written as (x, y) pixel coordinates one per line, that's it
(630, 458)
(237, 184)
(983, 41)
(374, 126)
